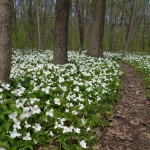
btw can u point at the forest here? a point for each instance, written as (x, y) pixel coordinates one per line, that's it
(74, 74)
(33, 21)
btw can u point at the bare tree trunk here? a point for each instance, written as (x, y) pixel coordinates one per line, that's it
(144, 23)
(61, 32)
(111, 26)
(30, 23)
(5, 39)
(39, 30)
(81, 24)
(13, 15)
(130, 29)
(96, 39)
(115, 29)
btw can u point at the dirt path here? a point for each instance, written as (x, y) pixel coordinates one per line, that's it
(130, 124)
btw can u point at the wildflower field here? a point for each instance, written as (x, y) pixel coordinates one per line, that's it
(139, 61)
(62, 106)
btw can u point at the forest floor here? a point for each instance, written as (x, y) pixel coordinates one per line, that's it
(130, 123)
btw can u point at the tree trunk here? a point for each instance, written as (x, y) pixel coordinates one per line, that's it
(81, 24)
(61, 32)
(130, 29)
(96, 39)
(39, 30)
(30, 24)
(144, 24)
(5, 39)
(111, 26)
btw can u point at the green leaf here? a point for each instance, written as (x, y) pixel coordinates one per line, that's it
(5, 145)
(8, 112)
(2, 117)
(7, 125)
(14, 148)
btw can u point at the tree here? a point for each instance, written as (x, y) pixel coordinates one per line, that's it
(111, 26)
(81, 24)
(5, 39)
(30, 22)
(38, 23)
(61, 32)
(96, 39)
(130, 29)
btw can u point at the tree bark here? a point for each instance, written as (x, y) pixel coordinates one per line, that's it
(80, 24)
(111, 26)
(130, 29)
(96, 39)
(61, 32)
(5, 39)
(39, 30)
(30, 24)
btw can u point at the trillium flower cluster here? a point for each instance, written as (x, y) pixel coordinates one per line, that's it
(52, 102)
(140, 61)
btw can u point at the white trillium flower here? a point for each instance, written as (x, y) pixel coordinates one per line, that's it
(1, 90)
(83, 144)
(37, 127)
(62, 121)
(67, 129)
(27, 137)
(77, 130)
(46, 90)
(35, 141)
(71, 105)
(57, 125)
(67, 110)
(47, 102)
(74, 112)
(83, 121)
(14, 134)
(90, 101)
(32, 100)
(50, 113)
(17, 125)
(19, 104)
(61, 80)
(76, 89)
(13, 116)
(57, 101)
(88, 129)
(81, 106)
(26, 113)
(18, 92)
(27, 125)
(35, 110)
(51, 133)
(6, 86)
(2, 148)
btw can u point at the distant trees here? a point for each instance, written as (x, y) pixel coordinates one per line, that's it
(5, 39)
(96, 38)
(60, 55)
(129, 32)
(40, 42)
(33, 27)
(80, 11)
(92, 25)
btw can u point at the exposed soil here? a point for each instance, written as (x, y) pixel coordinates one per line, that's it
(130, 123)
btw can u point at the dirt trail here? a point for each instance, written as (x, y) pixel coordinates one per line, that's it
(130, 123)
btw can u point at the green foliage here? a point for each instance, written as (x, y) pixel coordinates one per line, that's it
(58, 105)
(140, 61)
